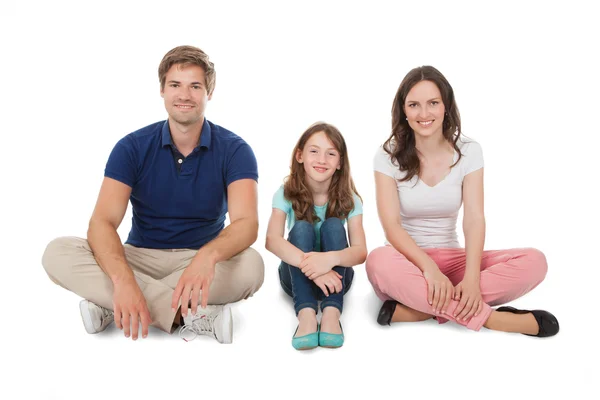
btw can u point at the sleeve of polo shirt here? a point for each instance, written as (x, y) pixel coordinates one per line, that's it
(122, 164)
(242, 165)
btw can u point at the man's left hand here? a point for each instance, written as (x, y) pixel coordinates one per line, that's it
(196, 278)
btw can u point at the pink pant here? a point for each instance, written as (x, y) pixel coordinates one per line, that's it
(505, 275)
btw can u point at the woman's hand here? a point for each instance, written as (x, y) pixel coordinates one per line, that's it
(469, 293)
(439, 289)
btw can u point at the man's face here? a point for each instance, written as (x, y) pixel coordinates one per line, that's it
(185, 94)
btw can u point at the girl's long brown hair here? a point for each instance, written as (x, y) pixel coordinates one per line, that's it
(401, 145)
(341, 190)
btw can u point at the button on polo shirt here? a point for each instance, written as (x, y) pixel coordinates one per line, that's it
(179, 204)
(177, 157)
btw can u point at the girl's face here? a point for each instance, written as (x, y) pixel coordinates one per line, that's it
(319, 157)
(424, 109)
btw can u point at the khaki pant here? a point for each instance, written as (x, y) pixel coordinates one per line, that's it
(70, 263)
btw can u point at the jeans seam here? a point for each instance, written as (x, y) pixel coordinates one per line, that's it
(286, 289)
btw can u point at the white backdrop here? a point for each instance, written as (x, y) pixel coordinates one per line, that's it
(78, 77)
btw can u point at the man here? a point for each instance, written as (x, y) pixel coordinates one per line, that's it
(182, 176)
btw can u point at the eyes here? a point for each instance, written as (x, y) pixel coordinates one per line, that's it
(432, 103)
(176, 85)
(329, 153)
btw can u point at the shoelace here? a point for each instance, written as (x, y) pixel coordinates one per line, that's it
(106, 314)
(202, 324)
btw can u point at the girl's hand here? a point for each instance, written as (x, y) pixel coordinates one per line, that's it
(316, 264)
(469, 293)
(439, 289)
(331, 282)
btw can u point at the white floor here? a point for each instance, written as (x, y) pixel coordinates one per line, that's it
(57, 359)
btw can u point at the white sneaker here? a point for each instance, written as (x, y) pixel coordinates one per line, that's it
(95, 318)
(215, 321)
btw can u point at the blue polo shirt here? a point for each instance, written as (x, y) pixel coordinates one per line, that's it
(176, 208)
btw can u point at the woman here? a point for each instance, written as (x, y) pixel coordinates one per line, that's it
(423, 173)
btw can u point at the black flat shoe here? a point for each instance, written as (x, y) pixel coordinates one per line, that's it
(386, 312)
(548, 324)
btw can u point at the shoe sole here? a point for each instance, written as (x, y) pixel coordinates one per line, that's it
(331, 346)
(86, 317)
(228, 326)
(305, 348)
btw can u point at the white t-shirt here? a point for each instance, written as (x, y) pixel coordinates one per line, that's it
(429, 213)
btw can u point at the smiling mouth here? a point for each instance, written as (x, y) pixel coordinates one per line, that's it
(425, 123)
(320, 169)
(183, 106)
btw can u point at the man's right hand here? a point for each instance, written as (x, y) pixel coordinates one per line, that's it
(129, 306)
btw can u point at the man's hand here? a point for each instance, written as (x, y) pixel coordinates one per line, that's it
(196, 278)
(129, 306)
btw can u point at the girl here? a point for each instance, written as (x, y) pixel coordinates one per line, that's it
(423, 173)
(316, 262)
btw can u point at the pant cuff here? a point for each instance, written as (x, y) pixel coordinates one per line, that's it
(305, 305)
(477, 322)
(326, 303)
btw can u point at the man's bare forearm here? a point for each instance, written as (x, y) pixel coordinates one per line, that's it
(108, 251)
(235, 238)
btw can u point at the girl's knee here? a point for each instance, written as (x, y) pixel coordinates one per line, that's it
(301, 227)
(302, 235)
(333, 224)
(333, 235)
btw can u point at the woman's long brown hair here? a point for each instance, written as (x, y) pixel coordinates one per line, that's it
(401, 145)
(341, 190)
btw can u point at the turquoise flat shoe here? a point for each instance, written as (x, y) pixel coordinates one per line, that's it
(306, 342)
(331, 340)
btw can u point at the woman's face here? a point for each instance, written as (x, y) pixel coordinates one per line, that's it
(424, 109)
